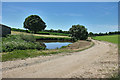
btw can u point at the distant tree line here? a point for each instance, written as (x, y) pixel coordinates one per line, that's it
(102, 34)
(67, 32)
(20, 30)
(57, 31)
(51, 30)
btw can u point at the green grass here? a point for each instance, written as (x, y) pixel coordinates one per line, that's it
(23, 54)
(115, 77)
(61, 34)
(53, 33)
(20, 54)
(108, 38)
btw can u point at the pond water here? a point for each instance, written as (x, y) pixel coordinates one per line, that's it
(55, 44)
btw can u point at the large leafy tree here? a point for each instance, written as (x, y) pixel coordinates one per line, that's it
(91, 34)
(34, 23)
(78, 32)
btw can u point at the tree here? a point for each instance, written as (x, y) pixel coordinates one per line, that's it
(34, 23)
(91, 34)
(59, 31)
(78, 32)
(51, 30)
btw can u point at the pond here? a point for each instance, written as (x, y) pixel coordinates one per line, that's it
(53, 44)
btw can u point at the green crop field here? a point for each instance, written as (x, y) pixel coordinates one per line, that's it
(109, 38)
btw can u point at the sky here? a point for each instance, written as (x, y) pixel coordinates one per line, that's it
(60, 0)
(95, 16)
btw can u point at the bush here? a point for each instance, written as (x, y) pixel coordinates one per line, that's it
(40, 45)
(28, 38)
(78, 32)
(20, 42)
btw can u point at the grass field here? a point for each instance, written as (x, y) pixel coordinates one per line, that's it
(56, 36)
(53, 33)
(109, 38)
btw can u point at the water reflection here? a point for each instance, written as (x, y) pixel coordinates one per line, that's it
(53, 44)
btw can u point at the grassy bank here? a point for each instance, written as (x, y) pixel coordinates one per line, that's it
(110, 38)
(23, 54)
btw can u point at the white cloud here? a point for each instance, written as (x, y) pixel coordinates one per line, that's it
(102, 28)
(108, 26)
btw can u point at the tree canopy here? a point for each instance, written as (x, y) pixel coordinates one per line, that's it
(78, 32)
(90, 34)
(34, 23)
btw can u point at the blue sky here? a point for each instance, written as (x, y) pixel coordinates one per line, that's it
(95, 16)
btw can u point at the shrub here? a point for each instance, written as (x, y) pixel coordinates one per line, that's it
(28, 38)
(40, 45)
(20, 42)
(78, 32)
